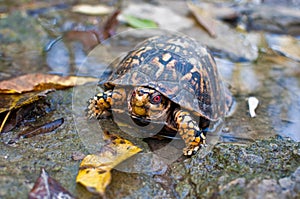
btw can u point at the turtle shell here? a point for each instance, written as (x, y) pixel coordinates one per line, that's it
(178, 67)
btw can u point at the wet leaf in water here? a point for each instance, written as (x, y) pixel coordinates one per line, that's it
(90, 39)
(10, 107)
(15, 101)
(136, 22)
(204, 19)
(38, 82)
(47, 187)
(99, 9)
(94, 171)
(110, 25)
(45, 128)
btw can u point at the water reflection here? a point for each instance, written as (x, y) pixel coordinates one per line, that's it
(284, 109)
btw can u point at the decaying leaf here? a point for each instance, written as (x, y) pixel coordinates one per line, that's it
(38, 82)
(94, 171)
(45, 128)
(136, 22)
(110, 26)
(203, 18)
(15, 101)
(13, 107)
(90, 39)
(47, 187)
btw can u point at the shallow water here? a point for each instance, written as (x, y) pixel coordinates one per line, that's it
(258, 64)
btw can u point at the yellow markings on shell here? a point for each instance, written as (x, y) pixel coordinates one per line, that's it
(171, 64)
(166, 56)
(135, 61)
(160, 66)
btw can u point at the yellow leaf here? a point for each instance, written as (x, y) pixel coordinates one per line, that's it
(94, 176)
(94, 170)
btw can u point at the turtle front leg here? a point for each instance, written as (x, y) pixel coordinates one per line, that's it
(102, 103)
(190, 132)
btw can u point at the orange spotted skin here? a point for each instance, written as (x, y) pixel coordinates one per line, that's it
(168, 79)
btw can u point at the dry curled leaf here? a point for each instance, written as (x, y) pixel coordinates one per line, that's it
(94, 171)
(38, 82)
(203, 18)
(47, 187)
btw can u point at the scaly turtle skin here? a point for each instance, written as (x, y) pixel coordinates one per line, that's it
(171, 80)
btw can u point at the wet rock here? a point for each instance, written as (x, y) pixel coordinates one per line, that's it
(287, 185)
(252, 159)
(239, 171)
(236, 182)
(285, 45)
(267, 188)
(285, 20)
(296, 175)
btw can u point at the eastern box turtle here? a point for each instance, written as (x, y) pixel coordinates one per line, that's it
(171, 80)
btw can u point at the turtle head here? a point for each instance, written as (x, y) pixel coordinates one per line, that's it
(147, 103)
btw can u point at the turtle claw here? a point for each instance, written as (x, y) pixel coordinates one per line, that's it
(98, 104)
(190, 132)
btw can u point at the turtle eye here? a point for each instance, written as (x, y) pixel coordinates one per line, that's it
(156, 99)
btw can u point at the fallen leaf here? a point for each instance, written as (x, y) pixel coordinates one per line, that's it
(89, 39)
(16, 101)
(45, 128)
(15, 106)
(99, 9)
(110, 25)
(94, 171)
(92, 38)
(203, 18)
(47, 187)
(38, 82)
(136, 22)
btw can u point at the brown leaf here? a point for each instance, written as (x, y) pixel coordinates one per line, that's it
(14, 107)
(45, 128)
(94, 171)
(203, 18)
(110, 25)
(90, 39)
(38, 82)
(47, 187)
